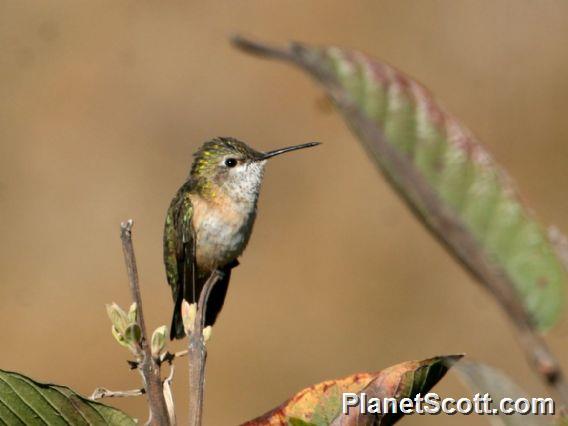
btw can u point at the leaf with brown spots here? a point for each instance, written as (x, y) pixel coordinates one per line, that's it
(321, 404)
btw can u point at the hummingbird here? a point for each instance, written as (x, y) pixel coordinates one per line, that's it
(210, 220)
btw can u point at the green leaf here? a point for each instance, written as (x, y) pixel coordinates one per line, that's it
(159, 340)
(119, 337)
(482, 379)
(444, 174)
(132, 313)
(320, 405)
(133, 334)
(24, 401)
(294, 421)
(117, 316)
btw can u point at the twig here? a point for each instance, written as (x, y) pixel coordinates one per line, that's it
(148, 368)
(441, 221)
(99, 393)
(169, 356)
(198, 353)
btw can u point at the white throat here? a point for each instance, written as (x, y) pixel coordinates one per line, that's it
(244, 182)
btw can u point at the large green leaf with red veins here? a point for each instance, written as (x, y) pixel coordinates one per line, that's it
(24, 401)
(461, 173)
(321, 404)
(444, 174)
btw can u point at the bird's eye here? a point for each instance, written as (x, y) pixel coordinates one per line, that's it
(230, 162)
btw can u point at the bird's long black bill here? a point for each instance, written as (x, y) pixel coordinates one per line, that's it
(276, 152)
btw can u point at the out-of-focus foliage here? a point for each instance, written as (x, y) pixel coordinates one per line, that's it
(444, 174)
(482, 379)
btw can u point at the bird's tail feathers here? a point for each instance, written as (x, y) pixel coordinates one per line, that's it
(177, 330)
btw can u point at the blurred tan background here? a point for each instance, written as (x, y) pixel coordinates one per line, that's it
(101, 106)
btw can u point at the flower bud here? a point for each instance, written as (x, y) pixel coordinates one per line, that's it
(207, 333)
(188, 313)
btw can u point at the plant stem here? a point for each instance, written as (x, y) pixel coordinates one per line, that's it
(148, 368)
(197, 354)
(99, 393)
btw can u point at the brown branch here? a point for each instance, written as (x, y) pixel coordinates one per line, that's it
(99, 393)
(440, 220)
(198, 353)
(148, 368)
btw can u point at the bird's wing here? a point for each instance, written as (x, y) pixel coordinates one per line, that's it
(179, 247)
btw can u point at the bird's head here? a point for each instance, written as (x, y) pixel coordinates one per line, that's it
(232, 166)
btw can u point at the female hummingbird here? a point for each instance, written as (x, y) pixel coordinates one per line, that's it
(210, 220)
